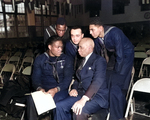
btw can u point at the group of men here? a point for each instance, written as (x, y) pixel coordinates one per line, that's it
(101, 69)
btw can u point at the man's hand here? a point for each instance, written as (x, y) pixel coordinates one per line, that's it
(42, 90)
(73, 93)
(77, 107)
(52, 91)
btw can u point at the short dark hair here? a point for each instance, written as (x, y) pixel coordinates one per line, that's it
(53, 39)
(96, 21)
(77, 27)
(61, 21)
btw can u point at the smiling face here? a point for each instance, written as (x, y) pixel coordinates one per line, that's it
(76, 35)
(55, 49)
(96, 30)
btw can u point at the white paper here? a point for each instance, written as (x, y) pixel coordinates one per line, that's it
(43, 102)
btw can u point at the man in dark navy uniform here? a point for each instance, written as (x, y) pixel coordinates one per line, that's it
(115, 47)
(52, 74)
(60, 29)
(71, 48)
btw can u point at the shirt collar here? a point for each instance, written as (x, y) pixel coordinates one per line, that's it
(87, 57)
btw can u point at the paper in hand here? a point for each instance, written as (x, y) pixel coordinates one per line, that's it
(43, 102)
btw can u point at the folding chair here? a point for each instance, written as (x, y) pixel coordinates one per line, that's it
(138, 58)
(7, 53)
(143, 68)
(129, 88)
(148, 52)
(139, 49)
(19, 54)
(29, 54)
(7, 72)
(14, 60)
(27, 61)
(3, 60)
(140, 55)
(27, 70)
(131, 82)
(142, 85)
(29, 50)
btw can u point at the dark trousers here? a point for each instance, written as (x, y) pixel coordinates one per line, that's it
(64, 112)
(118, 86)
(31, 113)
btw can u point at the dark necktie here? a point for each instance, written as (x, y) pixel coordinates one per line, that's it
(103, 50)
(80, 68)
(55, 74)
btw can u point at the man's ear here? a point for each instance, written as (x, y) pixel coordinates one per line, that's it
(49, 47)
(82, 35)
(101, 28)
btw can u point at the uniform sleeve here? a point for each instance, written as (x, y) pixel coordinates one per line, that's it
(99, 77)
(118, 37)
(36, 75)
(46, 36)
(69, 50)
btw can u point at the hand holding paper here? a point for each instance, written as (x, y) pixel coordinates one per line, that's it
(43, 102)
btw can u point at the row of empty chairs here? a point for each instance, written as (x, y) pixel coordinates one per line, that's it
(13, 63)
(8, 71)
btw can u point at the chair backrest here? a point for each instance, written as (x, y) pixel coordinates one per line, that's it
(142, 85)
(148, 52)
(139, 49)
(3, 60)
(28, 59)
(27, 70)
(146, 61)
(140, 55)
(18, 54)
(4, 57)
(14, 58)
(9, 68)
(29, 50)
(29, 54)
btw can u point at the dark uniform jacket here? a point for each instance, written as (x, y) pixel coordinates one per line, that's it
(43, 72)
(51, 30)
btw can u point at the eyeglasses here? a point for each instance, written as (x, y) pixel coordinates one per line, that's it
(60, 30)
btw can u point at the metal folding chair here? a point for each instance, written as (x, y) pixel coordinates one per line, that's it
(142, 85)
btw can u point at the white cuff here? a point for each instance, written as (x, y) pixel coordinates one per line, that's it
(86, 97)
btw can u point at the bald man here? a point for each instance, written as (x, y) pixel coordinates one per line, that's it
(88, 93)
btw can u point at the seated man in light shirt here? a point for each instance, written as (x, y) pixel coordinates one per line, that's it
(89, 92)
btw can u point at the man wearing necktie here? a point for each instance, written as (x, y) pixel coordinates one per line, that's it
(121, 55)
(89, 92)
(52, 74)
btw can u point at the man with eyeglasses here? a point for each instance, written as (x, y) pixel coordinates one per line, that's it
(60, 29)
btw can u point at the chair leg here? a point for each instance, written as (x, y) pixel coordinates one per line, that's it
(22, 117)
(108, 116)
